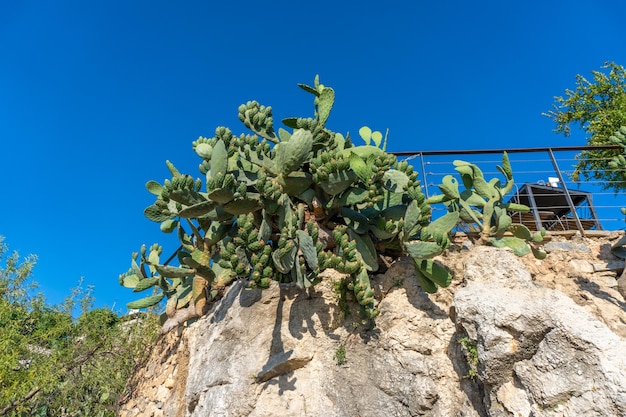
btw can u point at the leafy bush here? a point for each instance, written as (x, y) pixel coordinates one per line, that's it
(53, 365)
(598, 107)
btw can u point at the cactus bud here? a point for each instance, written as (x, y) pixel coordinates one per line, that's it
(240, 269)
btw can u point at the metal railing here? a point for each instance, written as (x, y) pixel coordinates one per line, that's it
(530, 166)
(544, 166)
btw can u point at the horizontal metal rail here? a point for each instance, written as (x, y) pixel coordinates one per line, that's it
(509, 150)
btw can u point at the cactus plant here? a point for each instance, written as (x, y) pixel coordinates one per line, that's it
(482, 203)
(284, 207)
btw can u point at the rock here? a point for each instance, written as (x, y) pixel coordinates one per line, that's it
(547, 344)
(273, 353)
(616, 265)
(621, 282)
(582, 265)
(564, 246)
(538, 351)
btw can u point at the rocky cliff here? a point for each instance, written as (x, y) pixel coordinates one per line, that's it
(511, 337)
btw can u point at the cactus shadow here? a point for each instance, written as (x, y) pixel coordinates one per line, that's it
(416, 296)
(237, 290)
(594, 289)
(306, 305)
(421, 301)
(277, 354)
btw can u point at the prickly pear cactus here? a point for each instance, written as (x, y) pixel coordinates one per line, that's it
(284, 206)
(482, 203)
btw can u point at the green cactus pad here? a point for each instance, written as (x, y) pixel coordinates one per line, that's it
(169, 225)
(519, 246)
(285, 262)
(426, 284)
(520, 231)
(146, 283)
(221, 195)
(129, 281)
(539, 254)
(154, 187)
(307, 246)
(434, 272)
(291, 155)
(422, 250)
(444, 224)
(350, 198)
(295, 183)
(412, 218)
(145, 302)
(219, 159)
(450, 187)
(325, 103)
(395, 181)
(360, 168)
(198, 210)
(355, 220)
(338, 182)
(172, 271)
(157, 214)
(366, 250)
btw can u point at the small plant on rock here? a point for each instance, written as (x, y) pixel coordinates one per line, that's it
(471, 354)
(340, 355)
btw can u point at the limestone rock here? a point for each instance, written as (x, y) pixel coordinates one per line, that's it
(539, 353)
(621, 284)
(274, 353)
(550, 338)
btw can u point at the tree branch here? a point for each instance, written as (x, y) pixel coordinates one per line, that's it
(15, 403)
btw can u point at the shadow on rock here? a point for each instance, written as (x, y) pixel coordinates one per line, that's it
(469, 384)
(587, 285)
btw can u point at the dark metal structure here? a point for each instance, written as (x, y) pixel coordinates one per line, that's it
(555, 208)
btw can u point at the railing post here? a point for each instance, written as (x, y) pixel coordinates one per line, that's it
(533, 207)
(424, 175)
(568, 197)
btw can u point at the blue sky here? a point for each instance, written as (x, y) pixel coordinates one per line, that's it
(95, 96)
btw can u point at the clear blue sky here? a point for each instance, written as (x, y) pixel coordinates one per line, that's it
(95, 96)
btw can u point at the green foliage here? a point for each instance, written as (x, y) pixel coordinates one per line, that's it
(482, 203)
(471, 354)
(599, 108)
(52, 364)
(284, 207)
(340, 355)
(618, 162)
